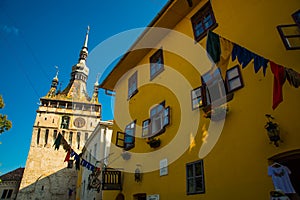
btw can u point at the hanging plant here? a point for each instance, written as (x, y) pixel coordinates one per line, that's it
(153, 142)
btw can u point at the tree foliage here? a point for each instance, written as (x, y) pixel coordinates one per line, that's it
(5, 124)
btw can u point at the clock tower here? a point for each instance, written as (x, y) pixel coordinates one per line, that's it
(75, 115)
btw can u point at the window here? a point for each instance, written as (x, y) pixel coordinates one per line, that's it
(203, 21)
(46, 136)
(65, 122)
(63, 133)
(156, 64)
(38, 136)
(126, 140)
(290, 36)
(197, 98)
(78, 140)
(54, 135)
(195, 178)
(296, 17)
(6, 194)
(214, 88)
(234, 79)
(70, 137)
(86, 136)
(132, 85)
(159, 119)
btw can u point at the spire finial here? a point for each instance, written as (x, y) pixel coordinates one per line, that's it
(86, 37)
(57, 70)
(97, 79)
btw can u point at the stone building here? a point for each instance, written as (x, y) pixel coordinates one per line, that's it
(10, 183)
(75, 115)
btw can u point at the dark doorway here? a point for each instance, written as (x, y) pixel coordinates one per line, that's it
(291, 159)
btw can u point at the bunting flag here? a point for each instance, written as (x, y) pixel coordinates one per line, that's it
(279, 79)
(57, 142)
(60, 140)
(220, 49)
(67, 158)
(226, 49)
(293, 77)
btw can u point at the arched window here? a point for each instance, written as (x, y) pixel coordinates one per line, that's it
(38, 136)
(46, 136)
(86, 137)
(78, 140)
(70, 137)
(54, 135)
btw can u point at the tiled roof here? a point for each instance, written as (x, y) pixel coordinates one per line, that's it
(15, 175)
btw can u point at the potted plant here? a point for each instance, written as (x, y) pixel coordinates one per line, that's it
(153, 142)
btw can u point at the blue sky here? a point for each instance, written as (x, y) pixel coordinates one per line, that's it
(37, 35)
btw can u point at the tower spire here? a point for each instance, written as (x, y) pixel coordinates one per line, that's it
(86, 37)
(84, 50)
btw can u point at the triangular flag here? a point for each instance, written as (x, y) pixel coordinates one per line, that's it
(57, 141)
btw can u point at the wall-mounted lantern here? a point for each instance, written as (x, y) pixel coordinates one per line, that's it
(138, 174)
(273, 130)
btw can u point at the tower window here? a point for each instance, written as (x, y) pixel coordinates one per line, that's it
(63, 133)
(70, 137)
(65, 122)
(78, 140)
(86, 136)
(54, 134)
(46, 136)
(38, 136)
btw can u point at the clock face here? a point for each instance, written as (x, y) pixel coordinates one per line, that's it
(79, 122)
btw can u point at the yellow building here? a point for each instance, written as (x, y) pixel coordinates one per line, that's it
(171, 138)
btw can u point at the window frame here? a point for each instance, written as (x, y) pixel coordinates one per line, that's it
(217, 81)
(296, 17)
(284, 37)
(158, 55)
(194, 177)
(156, 113)
(132, 83)
(198, 98)
(7, 193)
(236, 76)
(122, 136)
(65, 122)
(199, 17)
(205, 93)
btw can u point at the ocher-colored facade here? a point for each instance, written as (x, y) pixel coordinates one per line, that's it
(236, 154)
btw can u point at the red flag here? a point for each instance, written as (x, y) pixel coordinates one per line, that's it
(67, 156)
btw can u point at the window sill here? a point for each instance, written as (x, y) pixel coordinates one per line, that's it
(134, 93)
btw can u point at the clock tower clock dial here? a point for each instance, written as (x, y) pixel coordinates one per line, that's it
(79, 122)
